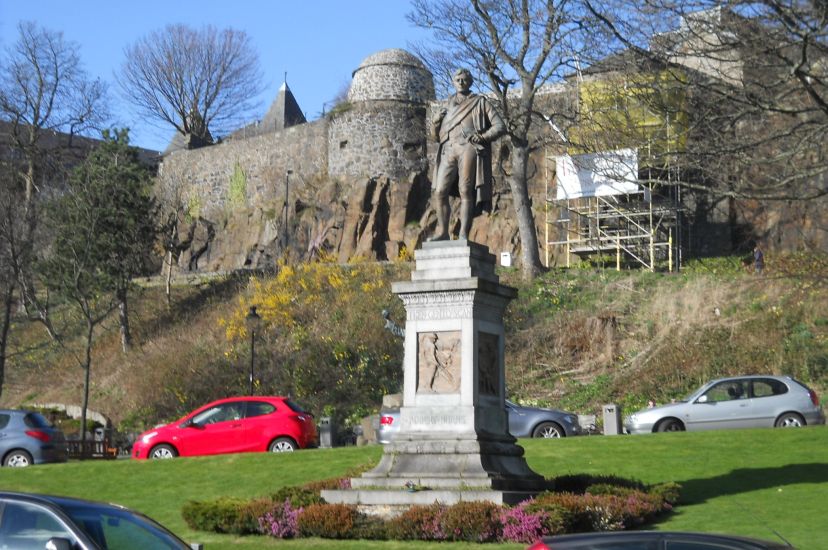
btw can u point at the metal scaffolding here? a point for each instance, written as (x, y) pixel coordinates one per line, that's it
(639, 229)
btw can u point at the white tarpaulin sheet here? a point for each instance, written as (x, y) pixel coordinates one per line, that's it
(597, 175)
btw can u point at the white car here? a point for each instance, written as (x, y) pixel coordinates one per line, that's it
(739, 402)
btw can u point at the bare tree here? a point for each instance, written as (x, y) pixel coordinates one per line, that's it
(516, 47)
(755, 76)
(44, 87)
(45, 95)
(201, 82)
(173, 209)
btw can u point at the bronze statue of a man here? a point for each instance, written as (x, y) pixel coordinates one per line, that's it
(465, 128)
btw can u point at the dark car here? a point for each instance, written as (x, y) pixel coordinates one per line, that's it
(27, 438)
(523, 422)
(29, 521)
(654, 540)
(232, 425)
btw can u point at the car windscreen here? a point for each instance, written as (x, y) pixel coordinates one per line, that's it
(112, 527)
(296, 407)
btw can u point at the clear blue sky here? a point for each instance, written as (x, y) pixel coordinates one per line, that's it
(318, 43)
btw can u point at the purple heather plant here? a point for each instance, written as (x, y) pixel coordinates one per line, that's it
(281, 522)
(519, 525)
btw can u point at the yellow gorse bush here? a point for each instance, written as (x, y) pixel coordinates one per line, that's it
(297, 291)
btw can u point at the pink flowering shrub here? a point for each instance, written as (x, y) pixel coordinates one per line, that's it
(520, 525)
(281, 521)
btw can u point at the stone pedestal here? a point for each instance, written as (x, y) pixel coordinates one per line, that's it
(454, 437)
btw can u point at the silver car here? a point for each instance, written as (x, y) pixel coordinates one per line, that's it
(27, 438)
(740, 402)
(523, 422)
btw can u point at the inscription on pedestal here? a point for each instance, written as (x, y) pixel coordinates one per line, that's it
(438, 420)
(438, 362)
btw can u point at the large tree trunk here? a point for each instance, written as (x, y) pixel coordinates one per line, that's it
(168, 279)
(530, 256)
(8, 300)
(123, 319)
(86, 368)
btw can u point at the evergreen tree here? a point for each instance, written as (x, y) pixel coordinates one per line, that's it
(104, 235)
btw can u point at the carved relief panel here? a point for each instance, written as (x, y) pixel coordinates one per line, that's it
(438, 362)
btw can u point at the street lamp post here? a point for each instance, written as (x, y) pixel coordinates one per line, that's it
(252, 321)
(287, 188)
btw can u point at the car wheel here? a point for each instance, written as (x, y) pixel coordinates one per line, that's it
(670, 425)
(790, 420)
(18, 459)
(162, 452)
(282, 445)
(547, 430)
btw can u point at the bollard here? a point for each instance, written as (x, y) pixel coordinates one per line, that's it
(612, 420)
(326, 436)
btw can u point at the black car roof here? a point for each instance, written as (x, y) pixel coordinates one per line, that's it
(55, 499)
(710, 537)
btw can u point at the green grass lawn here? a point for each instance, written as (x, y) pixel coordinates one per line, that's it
(746, 482)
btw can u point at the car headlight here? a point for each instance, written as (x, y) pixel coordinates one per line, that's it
(147, 437)
(571, 419)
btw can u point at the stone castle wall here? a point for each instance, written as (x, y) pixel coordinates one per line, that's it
(380, 138)
(207, 173)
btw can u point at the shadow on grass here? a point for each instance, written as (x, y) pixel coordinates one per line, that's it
(745, 480)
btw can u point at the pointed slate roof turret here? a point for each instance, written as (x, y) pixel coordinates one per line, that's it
(284, 112)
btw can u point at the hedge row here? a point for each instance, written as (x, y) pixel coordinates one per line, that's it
(579, 504)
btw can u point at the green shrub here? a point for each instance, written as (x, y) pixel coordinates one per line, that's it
(330, 483)
(609, 489)
(668, 492)
(369, 528)
(601, 512)
(224, 515)
(472, 521)
(418, 523)
(579, 483)
(330, 521)
(299, 497)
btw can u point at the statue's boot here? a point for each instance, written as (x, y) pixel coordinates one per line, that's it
(466, 217)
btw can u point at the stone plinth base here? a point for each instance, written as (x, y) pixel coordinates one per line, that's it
(438, 461)
(443, 470)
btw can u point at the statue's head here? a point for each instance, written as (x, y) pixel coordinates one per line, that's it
(462, 80)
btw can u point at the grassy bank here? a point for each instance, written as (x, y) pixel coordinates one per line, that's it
(575, 339)
(746, 482)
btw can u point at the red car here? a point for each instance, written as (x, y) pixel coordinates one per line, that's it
(232, 425)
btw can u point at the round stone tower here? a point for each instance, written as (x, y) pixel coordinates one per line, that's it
(382, 131)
